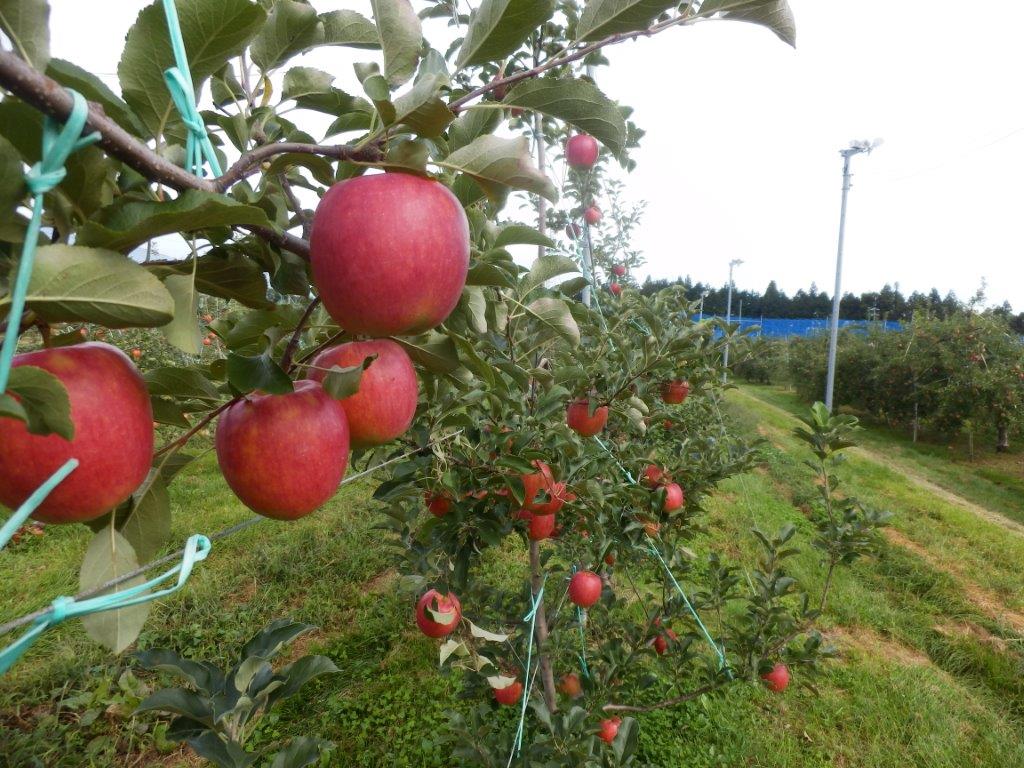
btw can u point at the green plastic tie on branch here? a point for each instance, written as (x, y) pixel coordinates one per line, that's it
(531, 617)
(179, 82)
(63, 608)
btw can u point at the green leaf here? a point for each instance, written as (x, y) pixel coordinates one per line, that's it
(514, 234)
(422, 109)
(214, 31)
(475, 305)
(545, 268)
(227, 274)
(401, 35)
(108, 557)
(183, 331)
(44, 405)
(774, 14)
(341, 382)
(302, 81)
(202, 674)
(434, 351)
(177, 701)
(555, 316)
(498, 27)
(406, 155)
(27, 24)
(353, 121)
(483, 634)
(269, 641)
(180, 383)
(483, 273)
(128, 223)
(86, 83)
(601, 18)
(12, 179)
(297, 674)
(472, 124)
(577, 102)
(211, 746)
(300, 752)
(71, 283)
(258, 372)
(291, 28)
(347, 28)
(494, 162)
(146, 520)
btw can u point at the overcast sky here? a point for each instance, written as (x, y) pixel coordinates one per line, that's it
(741, 156)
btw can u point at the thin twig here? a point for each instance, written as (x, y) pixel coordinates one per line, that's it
(289, 351)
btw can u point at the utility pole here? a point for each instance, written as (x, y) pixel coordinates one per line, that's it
(703, 295)
(855, 148)
(728, 319)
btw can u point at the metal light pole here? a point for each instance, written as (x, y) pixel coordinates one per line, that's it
(855, 148)
(703, 296)
(728, 319)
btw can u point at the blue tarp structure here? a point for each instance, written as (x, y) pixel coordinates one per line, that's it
(781, 327)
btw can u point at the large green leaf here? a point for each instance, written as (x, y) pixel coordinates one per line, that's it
(434, 351)
(303, 81)
(498, 27)
(86, 83)
(178, 701)
(601, 18)
(347, 28)
(545, 268)
(272, 639)
(300, 752)
(214, 31)
(774, 14)
(401, 35)
(257, 372)
(181, 383)
(555, 318)
(494, 162)
(472, 124)
(27, 24)
(422, 109)
(110, 556)
(183, 331)
(577, 102)
(128, 223)
(521, 234)
(291, 28)
(145, 520)
(74, 283)
(12, 180)
(225, 273)
(42, 402)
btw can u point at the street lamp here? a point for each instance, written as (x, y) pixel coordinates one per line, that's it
(855, 148)
(703, 295)
(728, 319)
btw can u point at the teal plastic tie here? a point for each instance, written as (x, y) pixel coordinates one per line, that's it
(179, 82)
(530, 617)
(722, 663)
(22, 513)
(196, 548)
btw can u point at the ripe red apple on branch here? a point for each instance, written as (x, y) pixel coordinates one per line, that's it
(580, 420)
(674, 497)
(385, 404)
(438, 504)
(432, 605)
(615, 289)
(542, 495)
(609, 729)
(675, 392)
(570, 685)
(508, 695)
(284, 455)
(777, 679)
(540, 527)
(592, 215)
(652, 476)
(618, 270)
(585, 588)
(581, 151)
(389, 253)
(113, 436)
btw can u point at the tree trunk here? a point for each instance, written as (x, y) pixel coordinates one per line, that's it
(540, 632)
(1002, 438)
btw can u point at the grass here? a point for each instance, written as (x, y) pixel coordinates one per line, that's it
(931, 673)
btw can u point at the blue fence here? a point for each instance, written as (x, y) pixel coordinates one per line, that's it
(781, 327)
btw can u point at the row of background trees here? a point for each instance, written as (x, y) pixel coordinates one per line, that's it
(887, 304)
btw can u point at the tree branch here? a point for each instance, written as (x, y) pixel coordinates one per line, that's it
(293, 343)
(694, 694)
(52, 98)
(247, 164)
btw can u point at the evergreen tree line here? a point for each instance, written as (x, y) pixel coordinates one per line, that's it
(887, 304)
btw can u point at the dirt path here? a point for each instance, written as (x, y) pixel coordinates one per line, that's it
(913, 475)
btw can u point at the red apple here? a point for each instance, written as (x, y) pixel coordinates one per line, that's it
(581, 151)
(284, 455)
(438, 504)
(585, 588)
(578, 417)
(570, 685)
(508, 695)
(667, 424)
(385, 404)
(433, 600)
(615, 288)
(207, 342)
(389, 253)
(609, 559)
(777, 679)
(674, 497)
(618, 270)
(674, 392)
(572, 230)
(541, 526)
(543, 480)
(592, 215)
(609, 729)
(652, 476)
(660, 645)
(136, 353)
(113, 439)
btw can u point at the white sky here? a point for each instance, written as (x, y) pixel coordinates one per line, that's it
(741, 156)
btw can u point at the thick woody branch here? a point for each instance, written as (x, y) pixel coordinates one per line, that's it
(248, 163)
(51, 98)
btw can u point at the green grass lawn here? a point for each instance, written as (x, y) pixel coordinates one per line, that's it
(931, 674)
